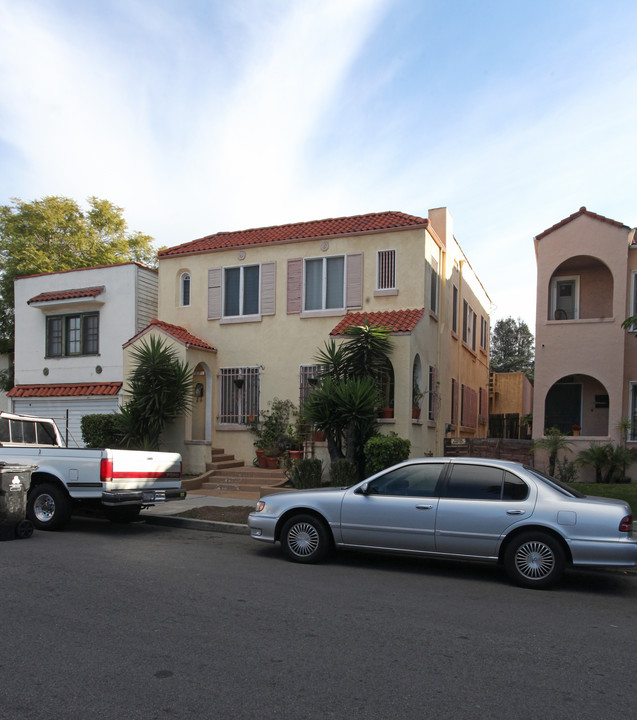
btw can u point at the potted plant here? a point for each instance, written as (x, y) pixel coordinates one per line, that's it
(270, 429)
(576, 429)
(416, 398)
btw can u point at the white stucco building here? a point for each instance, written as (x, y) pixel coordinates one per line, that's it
(70, 328)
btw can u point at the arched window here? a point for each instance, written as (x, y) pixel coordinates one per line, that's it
(184, 289)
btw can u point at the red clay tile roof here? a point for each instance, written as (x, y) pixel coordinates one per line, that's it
(65, 390)
(398, 320)
(332, 227)
(581, 211)
(177, 333)
(68, 294)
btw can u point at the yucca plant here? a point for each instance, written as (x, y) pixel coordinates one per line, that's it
(160, 388)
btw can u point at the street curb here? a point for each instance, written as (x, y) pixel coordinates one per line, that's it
(192, 524)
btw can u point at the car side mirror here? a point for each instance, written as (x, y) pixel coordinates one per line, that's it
(364, 489)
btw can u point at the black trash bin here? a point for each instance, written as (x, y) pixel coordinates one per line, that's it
(15, 481)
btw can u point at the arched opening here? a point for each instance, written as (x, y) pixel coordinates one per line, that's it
(577, 404)
(581, 287)
(202, 403)
(417, 388)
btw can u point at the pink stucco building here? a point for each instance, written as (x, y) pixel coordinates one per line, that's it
(585, 362)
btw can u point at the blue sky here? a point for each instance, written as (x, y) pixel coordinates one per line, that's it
(199, 116)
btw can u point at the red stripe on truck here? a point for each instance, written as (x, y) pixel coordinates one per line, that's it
(123, 475)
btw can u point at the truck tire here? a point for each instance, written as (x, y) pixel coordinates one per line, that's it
(48, 507)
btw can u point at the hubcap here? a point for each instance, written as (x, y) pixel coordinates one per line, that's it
(44, 508)
(534, 560)
(303, 539)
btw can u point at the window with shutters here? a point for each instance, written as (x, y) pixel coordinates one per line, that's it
(241, 294)
(241, 291)
(68, 335)
(324, 286)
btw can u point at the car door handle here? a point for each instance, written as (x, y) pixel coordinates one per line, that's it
(424, 507)
(515, 512)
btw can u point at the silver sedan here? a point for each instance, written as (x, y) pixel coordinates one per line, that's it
(466, 508)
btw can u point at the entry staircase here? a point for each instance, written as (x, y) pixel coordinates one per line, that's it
(228, 477)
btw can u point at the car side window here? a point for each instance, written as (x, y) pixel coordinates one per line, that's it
(410, 480)
(4, 430)
(475, 482)
(514, 488)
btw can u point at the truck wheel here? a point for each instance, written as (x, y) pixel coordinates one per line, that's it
(48, 507)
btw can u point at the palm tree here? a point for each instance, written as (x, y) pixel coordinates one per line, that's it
(597, 456)
(553, 441)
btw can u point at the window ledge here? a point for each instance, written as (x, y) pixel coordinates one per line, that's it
(323, 313)
(385, 293)
(240, 319)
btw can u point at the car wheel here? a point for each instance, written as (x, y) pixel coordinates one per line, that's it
(305, 539)
(48, 507)
(534, 560)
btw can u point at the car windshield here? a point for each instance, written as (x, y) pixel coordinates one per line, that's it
(558, 485)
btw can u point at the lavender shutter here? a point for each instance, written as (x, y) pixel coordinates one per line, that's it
(268, 286)
(354, 282)
(214, 293)
(295, 286)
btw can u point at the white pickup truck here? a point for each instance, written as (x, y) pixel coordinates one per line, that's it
(121, 482)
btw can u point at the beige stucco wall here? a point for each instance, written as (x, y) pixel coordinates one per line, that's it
(281, 343)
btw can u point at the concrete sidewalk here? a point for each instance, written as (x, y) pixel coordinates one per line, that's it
(165, 513)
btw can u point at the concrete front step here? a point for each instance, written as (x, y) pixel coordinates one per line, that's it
(225, 464)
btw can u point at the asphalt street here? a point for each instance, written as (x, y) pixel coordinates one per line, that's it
(145, 621)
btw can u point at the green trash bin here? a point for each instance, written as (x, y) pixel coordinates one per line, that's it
(15, 481)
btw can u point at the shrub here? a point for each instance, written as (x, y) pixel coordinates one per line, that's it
(307, 473)
(342, 473)
(384, 451)
(102, 431)
(565, 470)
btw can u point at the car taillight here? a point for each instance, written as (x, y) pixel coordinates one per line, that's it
(106, 470)
(626, 524)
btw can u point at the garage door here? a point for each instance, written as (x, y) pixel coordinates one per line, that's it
(60, 409)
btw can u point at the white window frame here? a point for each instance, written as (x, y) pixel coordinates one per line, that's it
(434, 289)
(323, 308)
(185, 280)
(469, 320)
(224, 290)
(386, 272)
(563, 279)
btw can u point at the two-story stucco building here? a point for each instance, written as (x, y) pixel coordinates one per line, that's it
(249, 310)
(585, 362)
(70, 329)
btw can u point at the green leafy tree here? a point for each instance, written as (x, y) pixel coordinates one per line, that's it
(512, 347)
(53, 234)
(160, 388)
